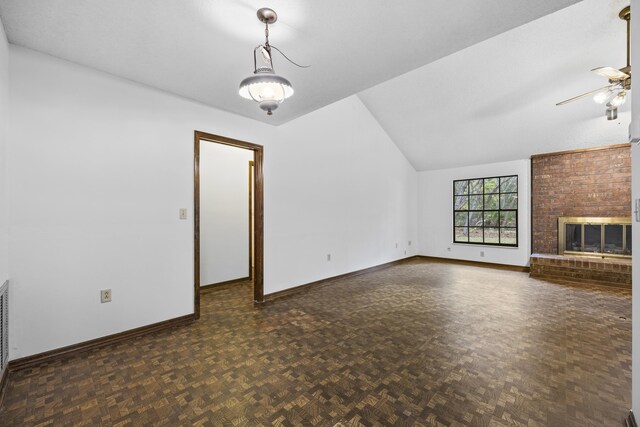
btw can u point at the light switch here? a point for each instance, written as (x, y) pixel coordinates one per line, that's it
(183, 213)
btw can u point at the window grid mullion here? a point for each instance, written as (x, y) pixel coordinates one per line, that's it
(483, 210)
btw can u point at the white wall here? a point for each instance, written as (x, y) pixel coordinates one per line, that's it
(224, 212)
(435, 200)
(100, 166)
(4, 109)
(635, 173)
(347, 191)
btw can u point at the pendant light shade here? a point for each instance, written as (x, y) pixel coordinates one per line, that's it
(267, 89)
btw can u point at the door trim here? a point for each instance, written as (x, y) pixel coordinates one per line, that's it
(251, 165)
(258, 205)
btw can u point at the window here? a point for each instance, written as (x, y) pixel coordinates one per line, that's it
(485, 211)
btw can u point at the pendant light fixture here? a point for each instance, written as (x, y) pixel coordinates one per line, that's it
(265, 87)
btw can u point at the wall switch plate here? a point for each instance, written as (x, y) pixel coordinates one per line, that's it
(183, 213)
(105, 295)
(328, 257)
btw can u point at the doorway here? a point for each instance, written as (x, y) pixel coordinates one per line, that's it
(255, 211)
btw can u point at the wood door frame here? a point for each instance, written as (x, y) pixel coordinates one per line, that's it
(258, 205)
(251, 220)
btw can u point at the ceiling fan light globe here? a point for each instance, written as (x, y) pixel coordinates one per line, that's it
(602, 97)
(619, 99)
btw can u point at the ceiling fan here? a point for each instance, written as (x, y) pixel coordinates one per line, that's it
(615, 93)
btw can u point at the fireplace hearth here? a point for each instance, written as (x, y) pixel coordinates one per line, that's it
(594, 250)
(582, 269)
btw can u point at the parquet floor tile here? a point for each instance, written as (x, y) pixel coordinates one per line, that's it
(418, 344)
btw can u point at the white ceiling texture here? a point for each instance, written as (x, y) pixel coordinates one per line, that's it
(436, 74)
(495, 101)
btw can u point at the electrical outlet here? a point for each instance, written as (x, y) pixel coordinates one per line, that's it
(105, 295)
(396, 245)
(409, 242)
(183, 213)
(328, 257)
(448, 249)
(482, 253)
(405, 252)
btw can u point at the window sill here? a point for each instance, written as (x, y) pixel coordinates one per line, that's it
(483, 245)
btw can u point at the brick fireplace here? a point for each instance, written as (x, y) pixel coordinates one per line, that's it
(589, 183)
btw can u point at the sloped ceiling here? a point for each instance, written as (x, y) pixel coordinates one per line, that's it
(452, 83)
(201, 49)
(495, 101)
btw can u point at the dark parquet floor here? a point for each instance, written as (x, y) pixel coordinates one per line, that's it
(419, 344)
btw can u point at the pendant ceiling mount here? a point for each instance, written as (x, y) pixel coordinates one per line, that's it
(267, 16)
(625, 13)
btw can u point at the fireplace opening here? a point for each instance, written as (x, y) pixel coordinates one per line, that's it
(606, 237)
(614, 242)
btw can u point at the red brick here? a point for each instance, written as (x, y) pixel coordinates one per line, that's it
(592, 183)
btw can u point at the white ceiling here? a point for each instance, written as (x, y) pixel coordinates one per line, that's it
(495, 101)
(452, 83)
(201, 49)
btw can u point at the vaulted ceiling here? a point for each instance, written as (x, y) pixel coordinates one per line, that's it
(495, 101)
(436, 74)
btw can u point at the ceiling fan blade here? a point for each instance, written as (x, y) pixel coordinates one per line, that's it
(584, 95)
(611, 73)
